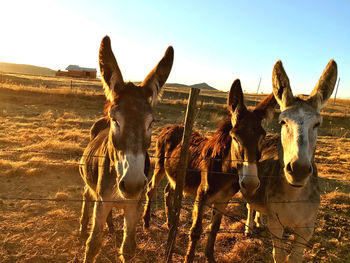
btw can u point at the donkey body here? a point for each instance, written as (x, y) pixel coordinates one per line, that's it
(217, 157)
(289, 193)
(114, 162)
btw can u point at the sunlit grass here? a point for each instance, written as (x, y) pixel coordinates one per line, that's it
(43, 132)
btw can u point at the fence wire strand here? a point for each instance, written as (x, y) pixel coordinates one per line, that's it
(152, 157)
(265, 239)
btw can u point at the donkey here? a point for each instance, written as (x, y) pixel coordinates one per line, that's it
(113, 163)
(235, 139)
(289, 193)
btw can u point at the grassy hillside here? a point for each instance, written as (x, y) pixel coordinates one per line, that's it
(26, 69)
(43, 132)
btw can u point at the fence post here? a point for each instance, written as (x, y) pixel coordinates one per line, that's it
(336, 91)
(257, 91)
(181, 171)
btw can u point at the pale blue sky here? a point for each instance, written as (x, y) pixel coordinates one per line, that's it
(214, 41)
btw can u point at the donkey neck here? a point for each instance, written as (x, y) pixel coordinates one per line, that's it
(229, 164)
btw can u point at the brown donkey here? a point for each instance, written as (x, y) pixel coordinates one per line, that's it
(113, 163)
(229, 160)
(289, 192)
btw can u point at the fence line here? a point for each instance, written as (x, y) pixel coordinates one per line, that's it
(265, 239)
(58, 200)
(150, 156)
(229, 231)
(154, 157)
(188, 169)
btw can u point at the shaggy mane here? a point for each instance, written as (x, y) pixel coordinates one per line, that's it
(219, 145)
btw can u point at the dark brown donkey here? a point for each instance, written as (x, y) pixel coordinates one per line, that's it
(113, 163)
(228, 159)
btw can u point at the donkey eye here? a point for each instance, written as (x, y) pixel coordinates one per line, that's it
(260, 142)
(237, 140)
(282, 122)
(317, 125)
(116, 122)
(150, 126)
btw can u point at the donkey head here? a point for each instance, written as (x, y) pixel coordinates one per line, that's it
(129, 109)
(299, 119)
(247, 135)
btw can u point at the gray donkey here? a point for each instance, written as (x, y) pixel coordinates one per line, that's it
(289, 193)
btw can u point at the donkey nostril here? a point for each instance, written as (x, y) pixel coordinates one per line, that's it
(289, 167)
(122, 186)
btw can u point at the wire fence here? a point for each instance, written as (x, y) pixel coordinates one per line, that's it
(264, 237)
(77, 157)
(266, 240)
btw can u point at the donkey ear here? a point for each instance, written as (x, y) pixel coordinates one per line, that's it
(325, 86)
(110, 72)
(281, 87)
(235, 96)
(235, 102)
(265, 109)
(158, 76)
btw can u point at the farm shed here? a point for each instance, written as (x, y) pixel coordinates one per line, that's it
(79, 72)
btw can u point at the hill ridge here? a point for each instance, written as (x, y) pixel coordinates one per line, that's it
(26, 69)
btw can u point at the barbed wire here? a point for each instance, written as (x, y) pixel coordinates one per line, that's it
(154, 169)
(255, 233)
(283, 239)
(130, 201)
(232, 218)
(150, 156)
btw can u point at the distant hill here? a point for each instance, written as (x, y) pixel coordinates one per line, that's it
(42, 71)
(26, 69)
(199, 86)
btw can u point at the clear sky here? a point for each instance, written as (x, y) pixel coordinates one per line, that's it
(214, 41)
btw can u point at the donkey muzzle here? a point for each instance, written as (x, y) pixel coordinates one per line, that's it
(297, 172)
(133, 181)
(249, 181)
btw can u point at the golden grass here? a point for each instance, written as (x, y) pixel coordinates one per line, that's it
(50, 129)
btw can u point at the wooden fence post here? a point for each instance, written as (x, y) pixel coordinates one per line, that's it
(181, 171)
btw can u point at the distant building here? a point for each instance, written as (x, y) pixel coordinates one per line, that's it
(79, 72)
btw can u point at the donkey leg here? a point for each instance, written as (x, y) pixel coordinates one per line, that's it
(302, 236)
(127, 249)
(84, 219)
(151, 190)
(250, 222)
(218, 209)
(94, 242)
(168, 204)
(258, 219)
(110, 222)
(196, 229)
(279, 251)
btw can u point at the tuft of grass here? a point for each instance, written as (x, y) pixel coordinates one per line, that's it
(61, 196)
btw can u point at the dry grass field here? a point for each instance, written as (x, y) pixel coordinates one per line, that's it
(44, 127)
